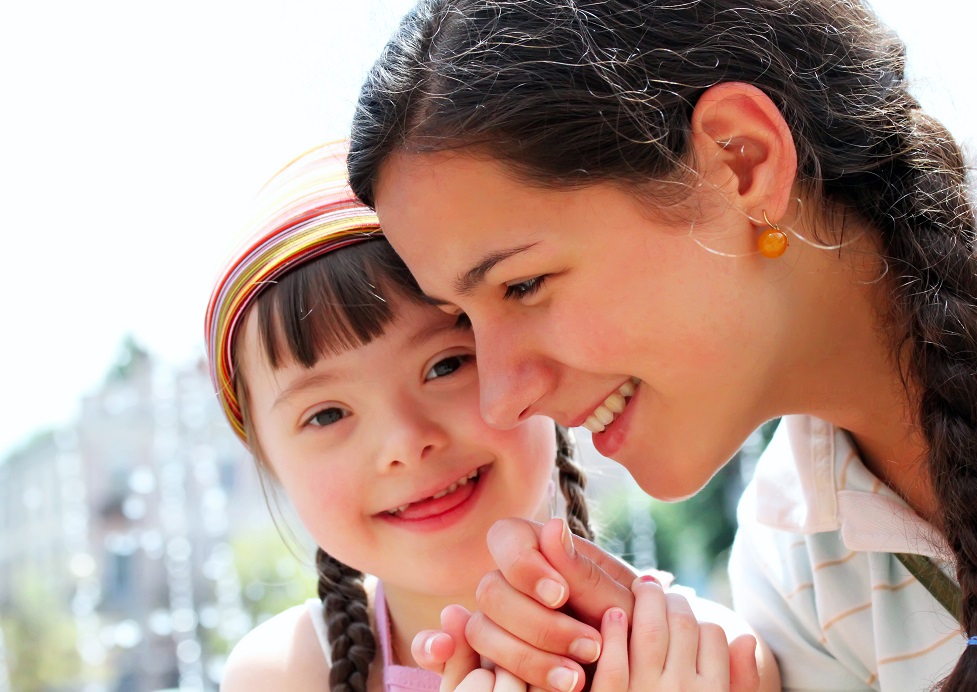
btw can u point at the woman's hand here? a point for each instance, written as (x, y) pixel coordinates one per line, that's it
(539, 613)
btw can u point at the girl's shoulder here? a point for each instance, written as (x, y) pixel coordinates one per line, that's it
(283, 652)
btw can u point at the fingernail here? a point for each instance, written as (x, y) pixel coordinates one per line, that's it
(649, 579)
(585, 650)
(567, 540)
(429, 644)
(563, 679)
(616, 614)
(549, 592)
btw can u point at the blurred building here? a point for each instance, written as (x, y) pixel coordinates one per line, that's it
(122, 521)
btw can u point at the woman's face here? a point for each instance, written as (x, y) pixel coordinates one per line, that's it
(575, 295)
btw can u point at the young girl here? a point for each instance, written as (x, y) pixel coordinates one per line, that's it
(671, 222)
(361, 402)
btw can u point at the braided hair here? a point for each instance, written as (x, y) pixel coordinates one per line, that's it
(574, 92)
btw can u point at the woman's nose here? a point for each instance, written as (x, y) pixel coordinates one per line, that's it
(513, 376)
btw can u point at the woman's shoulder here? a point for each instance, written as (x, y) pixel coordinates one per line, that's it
(282, 652)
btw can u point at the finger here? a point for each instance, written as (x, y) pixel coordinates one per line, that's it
(744, 672)
(431, 649)
(712, 657)
(649, 633)
(612, 668)
(464, 660)
(507, 682)
(539, 668)
(479, 680)
(514, 545)
(683, 636)
(596, 580)
(535, 624)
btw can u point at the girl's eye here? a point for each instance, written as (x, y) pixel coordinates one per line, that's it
(524, 289)
(328, 416)
(447, 366)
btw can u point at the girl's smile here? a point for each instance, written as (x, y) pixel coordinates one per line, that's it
(442, 509)
(383, 452)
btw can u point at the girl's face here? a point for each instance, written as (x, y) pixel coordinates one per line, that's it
(573, 294)
(383, 453)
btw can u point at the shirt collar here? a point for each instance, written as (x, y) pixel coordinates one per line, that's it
(811, 480)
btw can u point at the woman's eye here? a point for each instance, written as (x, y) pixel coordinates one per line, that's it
(446, 366)
(524, 289)
(328, 416)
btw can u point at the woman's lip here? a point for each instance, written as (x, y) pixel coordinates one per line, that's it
(581, 419)
(612, 438)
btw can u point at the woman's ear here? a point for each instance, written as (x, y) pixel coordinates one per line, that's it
(744, 147)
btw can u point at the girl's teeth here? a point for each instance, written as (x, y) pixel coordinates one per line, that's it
(613, 405)
(441, 493)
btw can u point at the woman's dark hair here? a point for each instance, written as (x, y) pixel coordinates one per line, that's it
(572, 92)
(329, 305)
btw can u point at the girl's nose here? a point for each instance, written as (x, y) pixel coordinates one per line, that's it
(410, 436)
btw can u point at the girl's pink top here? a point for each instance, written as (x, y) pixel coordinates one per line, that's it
(396, 678)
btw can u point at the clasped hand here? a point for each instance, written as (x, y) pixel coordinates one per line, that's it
(559, 603)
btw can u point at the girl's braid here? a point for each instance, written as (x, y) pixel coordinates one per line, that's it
(573, 482)
(346, 612)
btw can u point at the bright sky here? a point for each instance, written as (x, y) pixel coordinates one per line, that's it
(133, 136)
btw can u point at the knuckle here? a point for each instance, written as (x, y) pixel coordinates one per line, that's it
(498, 530)
(683, 622)
(489, 590)
(476, 630)
(544, 633)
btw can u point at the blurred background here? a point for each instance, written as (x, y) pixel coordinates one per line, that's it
(136, 542)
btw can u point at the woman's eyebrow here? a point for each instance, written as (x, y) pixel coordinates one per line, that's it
(466, 282)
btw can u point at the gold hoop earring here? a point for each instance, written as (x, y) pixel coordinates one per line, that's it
(772, 242)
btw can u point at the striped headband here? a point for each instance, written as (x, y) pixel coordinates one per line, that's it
(304, 211)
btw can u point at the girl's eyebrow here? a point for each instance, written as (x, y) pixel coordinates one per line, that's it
(304, 383)
(466, 282)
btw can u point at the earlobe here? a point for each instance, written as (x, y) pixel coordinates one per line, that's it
(743, 144)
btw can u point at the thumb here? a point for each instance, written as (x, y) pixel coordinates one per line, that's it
(744, 674)
(596, 580)
(431, 649)
(464, 659)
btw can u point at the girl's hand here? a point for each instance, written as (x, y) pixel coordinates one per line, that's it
(447, 652)
(669, 649)
(497, 680)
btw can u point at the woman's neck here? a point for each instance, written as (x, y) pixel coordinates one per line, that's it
(853, 377)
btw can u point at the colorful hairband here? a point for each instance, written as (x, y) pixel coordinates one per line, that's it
(305, 211)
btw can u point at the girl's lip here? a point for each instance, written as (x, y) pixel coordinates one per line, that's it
(445, 511)
(435, 489)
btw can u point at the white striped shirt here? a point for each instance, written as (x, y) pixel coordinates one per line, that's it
(812, 570)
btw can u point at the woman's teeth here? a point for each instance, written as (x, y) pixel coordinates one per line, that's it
(613, 405)
(441, 493)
